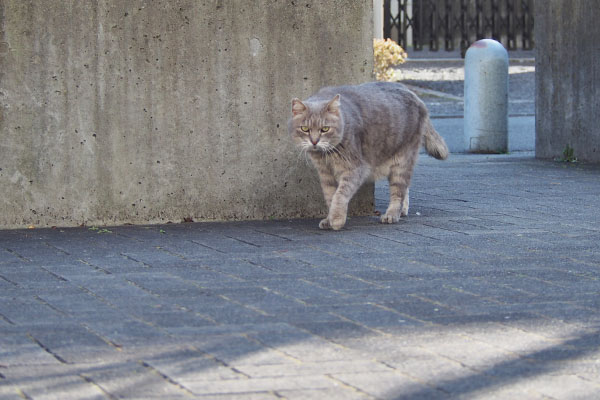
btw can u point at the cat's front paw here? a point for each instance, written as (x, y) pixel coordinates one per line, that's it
(324, 224)
(336, 224)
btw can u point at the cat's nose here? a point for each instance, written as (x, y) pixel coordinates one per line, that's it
(314, 141)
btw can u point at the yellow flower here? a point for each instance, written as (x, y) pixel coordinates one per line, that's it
(386, 53)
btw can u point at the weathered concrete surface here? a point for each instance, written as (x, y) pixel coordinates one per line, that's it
(122, 111)
(568, 79)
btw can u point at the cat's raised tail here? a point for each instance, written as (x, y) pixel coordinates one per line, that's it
(432, 141)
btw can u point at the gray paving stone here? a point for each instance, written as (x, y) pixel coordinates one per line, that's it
(312, 368)
(173, 319)
(335, 331)
(420, 309)
(134, 379)
(18, 348)
(9, 391)
(234, 314)
(302, 290)
(128, 332)
(22, 310)
(260, 385)
(70, 343)
(305, 346)
(389, 385)
(341, 393)
(58, 388)
(301, 314)
(187, 365)
(370, 316)
(490, 292)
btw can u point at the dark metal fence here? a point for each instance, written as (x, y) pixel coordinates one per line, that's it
(455, 24)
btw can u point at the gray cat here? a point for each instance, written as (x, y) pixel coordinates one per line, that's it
(364, 132)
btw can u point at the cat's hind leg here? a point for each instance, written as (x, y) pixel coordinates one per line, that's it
(398, 206)
(404, 210)
(399, 181)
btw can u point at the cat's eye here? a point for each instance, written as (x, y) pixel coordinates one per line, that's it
(325, 129)
(304, 128)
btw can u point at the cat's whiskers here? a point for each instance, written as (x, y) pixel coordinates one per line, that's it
(334, 151)
(327, 154)
(304, 149)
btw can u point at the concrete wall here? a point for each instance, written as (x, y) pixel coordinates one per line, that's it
(132, 111)
(568, 79)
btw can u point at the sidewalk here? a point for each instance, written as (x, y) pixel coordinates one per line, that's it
(489, 289)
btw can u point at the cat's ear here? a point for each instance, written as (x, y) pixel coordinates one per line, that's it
(334, 105)
(298, 107)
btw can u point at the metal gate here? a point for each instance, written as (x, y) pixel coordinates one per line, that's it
(452, 24)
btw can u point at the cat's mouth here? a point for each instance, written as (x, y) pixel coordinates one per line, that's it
(319, 147)
(316, 147)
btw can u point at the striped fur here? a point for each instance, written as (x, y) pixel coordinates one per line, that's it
(358, 133)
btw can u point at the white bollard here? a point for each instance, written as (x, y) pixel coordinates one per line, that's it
(486, 97)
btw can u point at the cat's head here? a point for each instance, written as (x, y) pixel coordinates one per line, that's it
(316, 126)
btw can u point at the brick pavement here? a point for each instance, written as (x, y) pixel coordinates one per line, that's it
(490, 289)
